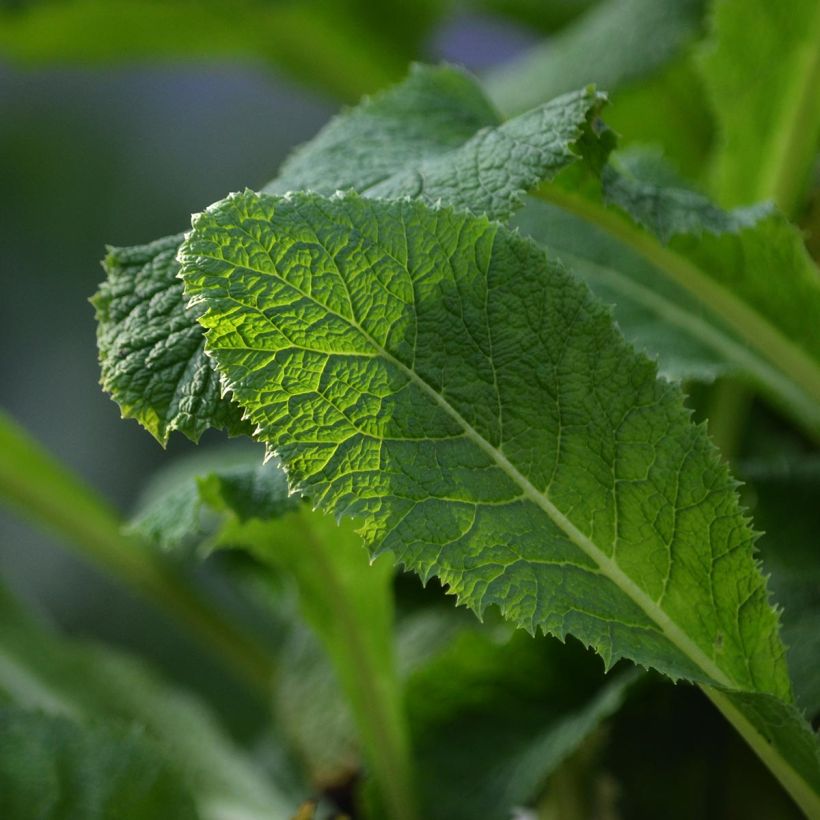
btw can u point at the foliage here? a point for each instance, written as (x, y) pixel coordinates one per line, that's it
(491, 351)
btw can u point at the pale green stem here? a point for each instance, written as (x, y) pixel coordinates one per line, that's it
(801, 792)
(46, 492)
(781, 175)
(377, 708)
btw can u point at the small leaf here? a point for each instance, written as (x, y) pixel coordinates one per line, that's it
(152, 356)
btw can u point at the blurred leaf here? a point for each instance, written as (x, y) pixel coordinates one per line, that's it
(761, 69)
(614, 43)
(723, 260)
(539, 15)
(348, 47)
(347, 602)
(494, 715)
(84, 681)
(54, 769)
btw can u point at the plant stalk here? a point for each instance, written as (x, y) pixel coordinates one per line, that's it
(43, 490)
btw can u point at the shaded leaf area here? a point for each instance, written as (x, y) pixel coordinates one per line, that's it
(51, 767)
(152, 358)
(707, 772)
(767, 129)
(614, 43)
(383, 407)
(432, 137)
(783, 496)
(348, 47)
(494, 716)
(87, 682)
(722, 259)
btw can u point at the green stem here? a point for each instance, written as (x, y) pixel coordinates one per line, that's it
(801, 792)
(753, 328)
(781, 176)
(377, 708)
(45, 491)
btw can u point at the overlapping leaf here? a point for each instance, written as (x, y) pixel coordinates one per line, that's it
(433, 136)
(151, 354)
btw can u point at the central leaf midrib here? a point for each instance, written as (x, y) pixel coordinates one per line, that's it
(676, 636)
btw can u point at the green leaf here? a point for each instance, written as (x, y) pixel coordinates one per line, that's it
(175, 508)
(51, 767)
(612, 44)
(439, 379)
(152, 355)
(768, 121)
(87, 682)
(432, 137)
(435, 137)
(382, 370)
(725, 261)
(435, 110)
(495, 715)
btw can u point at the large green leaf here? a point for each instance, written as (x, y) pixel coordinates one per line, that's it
(54, 769)
(438, 378)
(409, 363)
(768, 120)
(433, 136)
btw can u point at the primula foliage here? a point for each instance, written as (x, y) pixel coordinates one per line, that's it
(495, 353)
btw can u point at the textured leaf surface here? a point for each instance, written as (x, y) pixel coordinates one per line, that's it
(615, 42)
(768, 127)
(439, 378)
(53, 768)
(152, 354)
(433, 136)
(452, 146)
